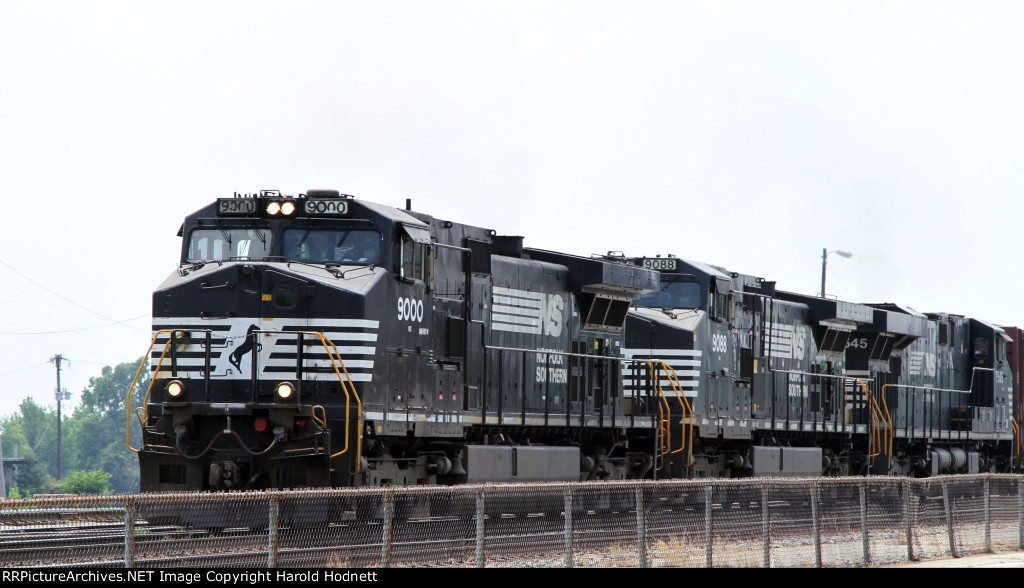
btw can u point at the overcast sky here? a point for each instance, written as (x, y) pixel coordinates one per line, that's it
(747, 134)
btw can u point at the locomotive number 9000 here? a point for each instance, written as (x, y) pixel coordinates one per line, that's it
(236, 206)
(326, 207)
(410, 310)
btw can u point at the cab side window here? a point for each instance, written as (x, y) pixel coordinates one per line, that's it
(415, 260)
(719, 304)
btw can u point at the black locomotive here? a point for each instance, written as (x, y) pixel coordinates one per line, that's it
(320, 340)
(767, 382)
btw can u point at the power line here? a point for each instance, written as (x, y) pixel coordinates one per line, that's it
(68, 300)
(74, 330)
(24, 369)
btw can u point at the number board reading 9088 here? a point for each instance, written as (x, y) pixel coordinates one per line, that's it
(665, 264)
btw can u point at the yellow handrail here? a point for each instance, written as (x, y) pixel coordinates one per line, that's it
(684, 405)
(346, 383)
(143, 415)
(322, 418)
(892, 427)
(875, 444)
(1015, 452)
(664, 428)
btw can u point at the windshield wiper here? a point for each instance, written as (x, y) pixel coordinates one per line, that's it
(260, 236)
(194, 264)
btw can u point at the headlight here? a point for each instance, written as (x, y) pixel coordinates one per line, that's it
(176, 389)
(285, 390)
(280, 208)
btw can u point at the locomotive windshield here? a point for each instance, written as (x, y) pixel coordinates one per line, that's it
(332, 245)
(672, 295)
(316, 245)
(223, 244)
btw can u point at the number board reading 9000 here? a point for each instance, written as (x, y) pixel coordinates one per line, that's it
(325, 207)
(236, 206)
(665, 264)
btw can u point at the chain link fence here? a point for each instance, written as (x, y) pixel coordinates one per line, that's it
(759, 523)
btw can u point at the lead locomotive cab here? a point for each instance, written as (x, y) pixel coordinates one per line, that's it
(268, 336)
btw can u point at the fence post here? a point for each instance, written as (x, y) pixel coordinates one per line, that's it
(480, 528)
(865, 541)
(641, 533)
(766, 527)
(949, 518)
(568, 528)
(131, 509)
(816, 524)
(386, 533)
(909, 515)
(988, 517)
(273, 522)
(708, 558)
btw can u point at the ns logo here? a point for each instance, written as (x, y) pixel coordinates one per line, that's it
(551, 314)
(799, 344)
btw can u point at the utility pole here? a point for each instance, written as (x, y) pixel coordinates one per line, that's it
(824, 260)
(61, 394)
